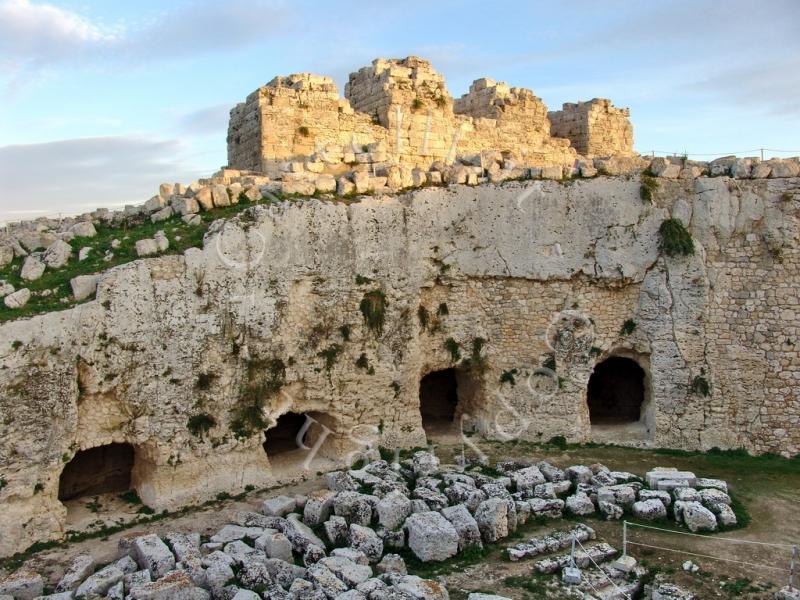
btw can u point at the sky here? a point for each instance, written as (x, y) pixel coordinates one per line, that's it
(100, 101)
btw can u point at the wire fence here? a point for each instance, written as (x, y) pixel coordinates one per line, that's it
(791, 549)
(602, 572)
(763, 153)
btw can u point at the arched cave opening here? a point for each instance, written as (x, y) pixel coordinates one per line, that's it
(616, 391)
(101, 470)
(283, 436)
(438, 399)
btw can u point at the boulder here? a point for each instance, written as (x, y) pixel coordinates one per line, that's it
(318, 507)
(546, 507)
(79, 569)
(336, 530)
(392, 563)
(325, 183)
(348, 571)
(324, 579)
(492, 519)
(22, 585)
(32, 268)
(431, 537)
(174, 586)
(219, 194)
(579, 504)
(354, 507)
(155, 203)
(649, 509)
(698, 518)
(579, 474)
(185, 206)
(279, 506)
(653, 477)
(83, 229)
(466, 526)
(276, 545)
(664, 497)
(154, 555)
(98, 584)
(161, 241)
(424, 463)
(161, 215)
(528, 478)
(17, 299)
(57, 254)
(300, 534)
(421, 589)
(146, 247)
(204, 198)
(393, 509)
(366, 540)
(83, 286)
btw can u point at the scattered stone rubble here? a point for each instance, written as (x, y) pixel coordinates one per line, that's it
(346, 541)
(43, 245)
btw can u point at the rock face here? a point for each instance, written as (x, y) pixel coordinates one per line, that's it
(134, 364)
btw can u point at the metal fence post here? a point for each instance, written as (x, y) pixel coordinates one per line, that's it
(792, 567)
(624, 538)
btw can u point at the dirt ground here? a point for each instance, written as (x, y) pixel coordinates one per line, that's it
(769, 489)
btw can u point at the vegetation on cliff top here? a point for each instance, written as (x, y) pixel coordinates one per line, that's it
(55, 282)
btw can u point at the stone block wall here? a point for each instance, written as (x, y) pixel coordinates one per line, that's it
(595, 128)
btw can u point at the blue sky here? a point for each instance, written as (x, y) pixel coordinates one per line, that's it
(101, 101)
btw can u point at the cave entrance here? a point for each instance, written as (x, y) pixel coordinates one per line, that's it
(616, 392)
(287, 453)
(101, 470)
(283, 436)
(438, 400)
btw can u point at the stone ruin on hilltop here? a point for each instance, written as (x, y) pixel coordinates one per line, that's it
(603, 297)
(398, 117)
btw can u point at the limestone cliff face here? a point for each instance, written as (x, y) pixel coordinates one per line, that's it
(267, 318)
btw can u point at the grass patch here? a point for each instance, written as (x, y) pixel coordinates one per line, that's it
(534, 583)
(56, 281)
(373, 309)
(509, 376)
(675, 238)
(427, 570)
(331, 355)
(264, 379)
(628, 327)
(648, 188)
(453, 349)
(199, 425)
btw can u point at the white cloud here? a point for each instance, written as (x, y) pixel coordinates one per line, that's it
(76, 175)
(36, 36)
(43, 33)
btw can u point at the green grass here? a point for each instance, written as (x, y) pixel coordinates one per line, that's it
(427, 570)
(191, 236)
(675, 238)
(453, 349)
(373, 309)
(648, 188)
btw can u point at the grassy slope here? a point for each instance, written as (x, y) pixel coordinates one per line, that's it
(191, 236)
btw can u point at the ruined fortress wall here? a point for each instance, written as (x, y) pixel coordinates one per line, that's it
(595, 128)
(546, 272)
(402, 108)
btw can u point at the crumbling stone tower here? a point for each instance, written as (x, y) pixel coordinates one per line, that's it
(399, 112)
(594, 128)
